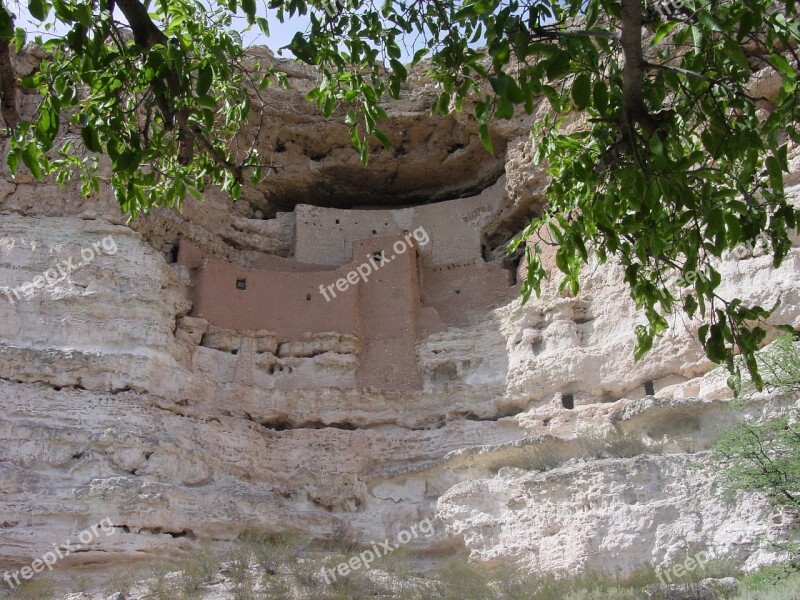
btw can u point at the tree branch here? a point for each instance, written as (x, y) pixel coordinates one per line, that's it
(8, 79)
(633, 107)
(702, 76)
(146, 34)
(550, 33)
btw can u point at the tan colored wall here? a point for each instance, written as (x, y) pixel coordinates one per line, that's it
(416, 292)
(269, 262)
(289, 304)
(464, 293)
(381, 311)
(326, 235)
(388, 305)
(192, 256)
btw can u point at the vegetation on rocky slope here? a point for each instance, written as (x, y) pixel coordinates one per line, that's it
(764, 455)
(279, 569)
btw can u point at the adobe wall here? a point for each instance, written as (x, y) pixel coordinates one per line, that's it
(325, 236)
(286, 303)
(388, 305)
(380, 311)
(192, 256)
(432, 285)
(270, 262)
(462, 293)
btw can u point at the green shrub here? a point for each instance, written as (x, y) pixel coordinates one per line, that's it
(538, 457)
(42, 588)
(770, 583)
(764, 456)
(163, 584)
(617, 444)
(458, 580)
(198, 570)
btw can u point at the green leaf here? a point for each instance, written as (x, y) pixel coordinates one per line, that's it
(504, 110)
(690, 305)
(780, 63)
(206, 101)
(20, 37)
(552, 96)
(486, 139)
(90, 138)
(775, 173)
(31, 157)
(663, 31)
(709, 21)
(482, 111)
(600, 96)
(697, 36)
(249, 8)
(557, 66)
(205, 77)
(126, 161)
(656, 145)
(582, 90)
(13, 161)
(399, 69)
(418, 56)
(644, 342)
(47, 127)
(6, 25)
(39, 9)
(381, 137)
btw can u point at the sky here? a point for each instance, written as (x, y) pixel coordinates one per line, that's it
(280, 33)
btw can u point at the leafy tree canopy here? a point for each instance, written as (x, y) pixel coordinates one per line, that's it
(677, 159)
(764, 456)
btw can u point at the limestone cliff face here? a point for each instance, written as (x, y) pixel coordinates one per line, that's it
(121, 398)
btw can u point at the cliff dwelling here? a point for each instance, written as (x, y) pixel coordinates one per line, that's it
(421, 271)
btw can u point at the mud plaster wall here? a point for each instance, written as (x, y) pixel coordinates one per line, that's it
(389, 305)
(463, 293)
(440, 283)
(286, 303)
(325, 236)
(381, 311)
(282, 297)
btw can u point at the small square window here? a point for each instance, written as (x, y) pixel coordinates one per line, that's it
(241, 284)
(649, 388)
(377, 256)
(568, 401)
(308, 297)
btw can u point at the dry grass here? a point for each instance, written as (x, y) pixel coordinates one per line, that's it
(259, 568)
